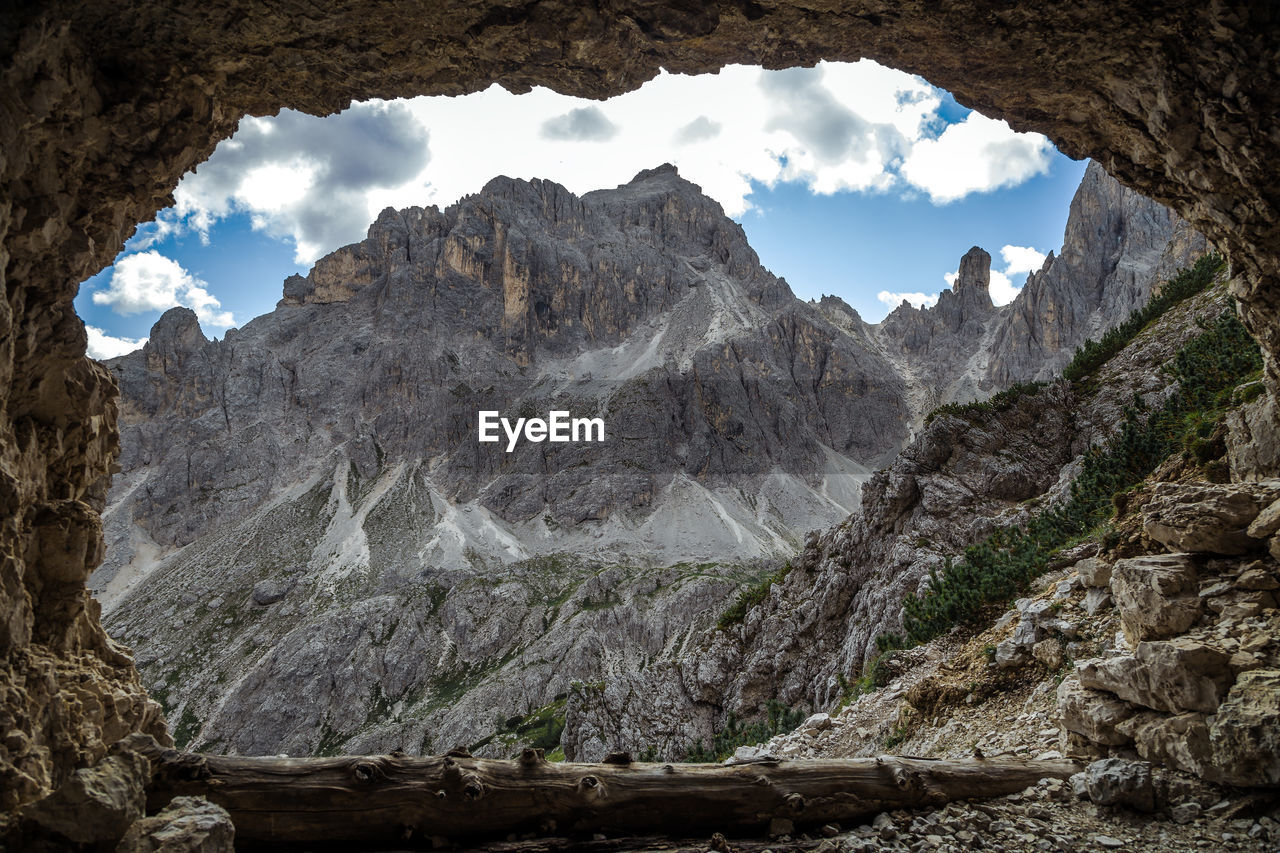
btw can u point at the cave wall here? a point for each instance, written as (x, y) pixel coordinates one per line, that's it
(105, 105)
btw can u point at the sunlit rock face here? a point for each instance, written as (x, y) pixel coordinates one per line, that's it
(103, 117)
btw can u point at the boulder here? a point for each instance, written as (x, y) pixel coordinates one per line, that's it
(1258, 578)
(1010, 654)
(1092, 713)
(1048, 652)
(1245, 603)
(1253, 439)
(1180, 741)
(96, 804)
(1245, 733)
(1183, 674)
(1037, 621)
(1267, 521)
(268, 592)
(1096, 599)
(186, 825)
(816, 723)
(1205, 517)
(1158, 595)
(1094, 571)
(747, 753)
(1117, 782)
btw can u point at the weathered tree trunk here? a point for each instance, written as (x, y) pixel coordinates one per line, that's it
(401, 799)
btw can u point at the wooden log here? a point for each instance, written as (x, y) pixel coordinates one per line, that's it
(402, 799)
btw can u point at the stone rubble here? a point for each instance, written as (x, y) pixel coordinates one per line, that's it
(185, 825)
(1168, 729)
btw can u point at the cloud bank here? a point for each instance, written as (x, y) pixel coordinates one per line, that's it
(307, 179)
(149, 281)
(585, 124)
(836, 127)
(104, 346)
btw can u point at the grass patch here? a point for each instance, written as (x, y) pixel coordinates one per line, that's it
(540, 729)
(187, 728)
(752, 596)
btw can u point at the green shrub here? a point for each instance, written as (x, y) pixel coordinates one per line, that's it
(778, 720)
(875, 676)
(998, 402)
(541, 728)
(752, 596)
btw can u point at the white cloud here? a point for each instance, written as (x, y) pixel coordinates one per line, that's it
(698, 130)
(307, 179)
(1022, 259)
(1002, 290)
(837, 127)
(149, 281)
(919, 300)
(975, 155)
(104, 346)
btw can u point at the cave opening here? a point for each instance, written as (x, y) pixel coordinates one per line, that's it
(103, 119)
(233, 548)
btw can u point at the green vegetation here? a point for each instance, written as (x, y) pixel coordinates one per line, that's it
(187, 728)
(778, 720)
(540, 729)
(751, 596)
(331, 741)
(1208, 369)
(876, 676)
(895, 738)
(1187, 283)
(995, 403)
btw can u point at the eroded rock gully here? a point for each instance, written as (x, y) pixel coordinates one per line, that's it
(106, 105)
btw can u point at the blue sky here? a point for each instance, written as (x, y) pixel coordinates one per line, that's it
(856, 246)
(850, 179)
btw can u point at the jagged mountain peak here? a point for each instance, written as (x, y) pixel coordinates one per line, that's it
(975, 271)
(662, 179)
(177, 330)
(1117, 246)
(837, 311)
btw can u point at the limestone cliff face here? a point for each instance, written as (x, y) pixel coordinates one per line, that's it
(1117, 247)
(309, 494)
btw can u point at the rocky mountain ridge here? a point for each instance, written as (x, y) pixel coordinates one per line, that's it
(1116, 248)
(959, 479)
(306, 499)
